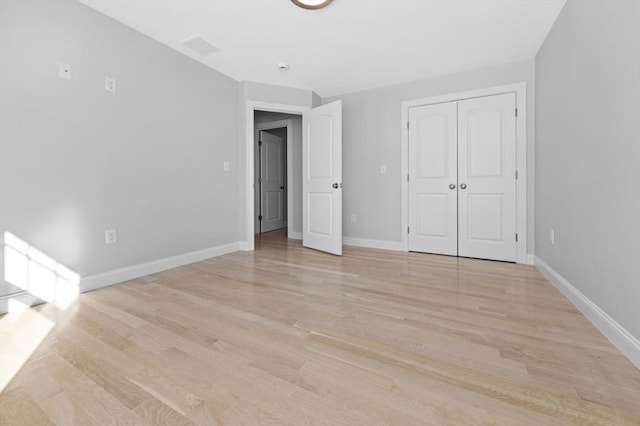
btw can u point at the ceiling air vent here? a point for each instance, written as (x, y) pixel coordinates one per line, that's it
(200, 45)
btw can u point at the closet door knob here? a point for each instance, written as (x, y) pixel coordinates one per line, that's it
(452, 186)
(463, 186)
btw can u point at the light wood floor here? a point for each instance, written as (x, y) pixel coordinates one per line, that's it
(286, 335)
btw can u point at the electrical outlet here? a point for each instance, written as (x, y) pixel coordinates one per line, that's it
(110, 236)
(383, 169)
(552, 236)
(225, 166)
(110, 84)
(354, 218)
(64, 71)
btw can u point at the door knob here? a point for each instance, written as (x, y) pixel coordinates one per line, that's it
(463, 186)
(335, 185)
(452, 186)
(282, 187)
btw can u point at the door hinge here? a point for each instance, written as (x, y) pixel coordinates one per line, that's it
(516, 112)
(407, 125)
(516, 237)
(407, 177)
(260, 218)
(260, 180)
(259, 143)
(407, 229)
(516, 175)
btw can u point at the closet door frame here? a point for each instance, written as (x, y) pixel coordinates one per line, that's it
(521, 158)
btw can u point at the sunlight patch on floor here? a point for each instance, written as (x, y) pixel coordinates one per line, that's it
(33, 271)
(43, 278)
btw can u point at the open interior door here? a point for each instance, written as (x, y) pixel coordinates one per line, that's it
(322, 178)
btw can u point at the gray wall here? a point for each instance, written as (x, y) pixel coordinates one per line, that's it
(316, 100)
(75, 159)
(371, 137)
(295, 221)
(588, 153)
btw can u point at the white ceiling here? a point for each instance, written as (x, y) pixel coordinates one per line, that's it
(352, 44)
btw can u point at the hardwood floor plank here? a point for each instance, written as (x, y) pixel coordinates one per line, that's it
(63, 408)
(17, 407)
(287, 335)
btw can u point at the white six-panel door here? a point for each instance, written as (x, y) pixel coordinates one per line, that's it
(322, 178)
(462, 189)
(486, 176)
(272, 181)
(433, 167)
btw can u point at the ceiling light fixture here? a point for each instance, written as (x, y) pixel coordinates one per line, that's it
(311, 4)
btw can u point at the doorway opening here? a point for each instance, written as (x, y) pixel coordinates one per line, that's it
(277, 153)
(271, 177)
(248, 214)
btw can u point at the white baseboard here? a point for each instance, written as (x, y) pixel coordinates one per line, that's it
(618, 335)
(375, 244)
(530, 260)
(359, 242)
(22, 298)
(293, 235)
(93, 282)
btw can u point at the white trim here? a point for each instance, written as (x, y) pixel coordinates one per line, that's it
(374, 244)
(21, 297)
(93, 282)
(295, 235)
(520, 90)
(617, 335)
(250, 107)
(530, 259)
(288, 123)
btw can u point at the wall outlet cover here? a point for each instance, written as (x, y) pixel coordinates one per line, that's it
(64, 71)
(111, 236)
(110, 84)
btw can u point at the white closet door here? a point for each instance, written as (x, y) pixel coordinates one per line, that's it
(433, 181)
(486, 177)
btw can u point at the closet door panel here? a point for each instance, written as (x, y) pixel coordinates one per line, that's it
(433, 172)
(486, 176)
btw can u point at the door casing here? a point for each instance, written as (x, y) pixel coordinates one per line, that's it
(248, 242)
(521, 158)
